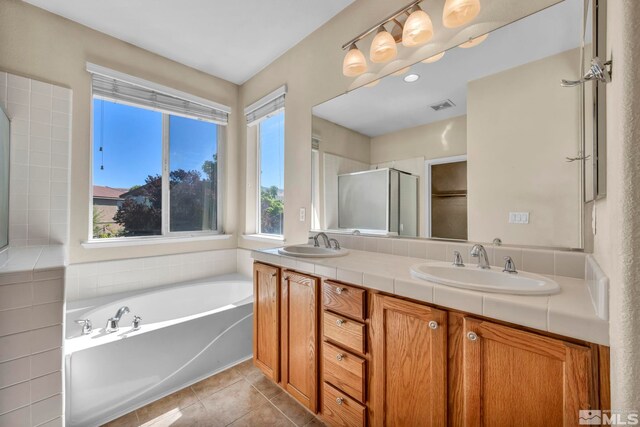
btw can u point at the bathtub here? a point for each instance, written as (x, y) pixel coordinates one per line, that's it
(188, 332)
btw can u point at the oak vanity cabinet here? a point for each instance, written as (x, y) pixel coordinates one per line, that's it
(409, 347)
(299, 337)
(266, 320)
(514, 377)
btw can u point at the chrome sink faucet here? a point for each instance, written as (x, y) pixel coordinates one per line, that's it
(478, 251)
(325, 239)
(113, 323)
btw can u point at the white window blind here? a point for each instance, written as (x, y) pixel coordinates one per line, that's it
(120, 87)
(266, 106)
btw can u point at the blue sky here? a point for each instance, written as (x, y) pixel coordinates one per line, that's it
(132, 144)
(272, 152)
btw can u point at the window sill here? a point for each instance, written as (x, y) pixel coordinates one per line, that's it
(142, 241)
(264, 238)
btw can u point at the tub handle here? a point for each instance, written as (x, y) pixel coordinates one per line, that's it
(135, 325)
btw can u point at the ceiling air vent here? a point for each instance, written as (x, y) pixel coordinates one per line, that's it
(442, 105)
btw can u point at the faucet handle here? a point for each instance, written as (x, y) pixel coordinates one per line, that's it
(509, 266)
(336, 244)
(135, 325)
(87, 327)
(457, 259)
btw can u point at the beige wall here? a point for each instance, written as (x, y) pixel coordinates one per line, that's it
(521, 125)
(443, 138)
(339, 140)
(46, 47)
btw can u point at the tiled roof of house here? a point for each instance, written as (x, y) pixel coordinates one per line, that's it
(101, 192)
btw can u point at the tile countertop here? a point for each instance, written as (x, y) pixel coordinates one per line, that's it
(569, 313)
(19, 265)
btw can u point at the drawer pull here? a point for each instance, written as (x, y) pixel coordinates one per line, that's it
(340, 322)
(340, 400)
(472, 336)
(339, 291)
(433, 324)
(339, 357)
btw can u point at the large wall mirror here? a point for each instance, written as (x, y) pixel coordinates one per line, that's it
(472, 144)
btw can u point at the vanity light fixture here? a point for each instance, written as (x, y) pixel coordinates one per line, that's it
(474, 42)
(401, 71)
(410, 78)
(354, 62)
(383, 46)
(459, 12)
(434, 58)
(418, 28)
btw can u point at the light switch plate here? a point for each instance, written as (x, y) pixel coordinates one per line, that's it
(518, 217)
(303, 214)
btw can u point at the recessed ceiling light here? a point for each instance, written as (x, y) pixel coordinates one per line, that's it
(410, 78)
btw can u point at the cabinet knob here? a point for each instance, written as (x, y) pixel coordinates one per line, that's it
(472, 336)
(339, 357)
(274, 274)
(340, 322)
(339, 291)
(340, 400)
(433, 324)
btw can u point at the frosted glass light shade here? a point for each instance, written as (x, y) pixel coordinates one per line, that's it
(418, 29)
(401, 71)
(434, 58)
(354, 62)
(459, 12)
(474, 42)
(373, 83)
(383, 47)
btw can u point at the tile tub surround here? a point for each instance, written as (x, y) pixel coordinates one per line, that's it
(40, 115)
(94, 279)
(238, 396)
(31, 309)
(570, 313)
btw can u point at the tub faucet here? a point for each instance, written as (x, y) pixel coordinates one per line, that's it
(478, 251)
(112, 324)
(325, 238)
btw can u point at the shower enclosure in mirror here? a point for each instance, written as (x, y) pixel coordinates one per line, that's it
(486, 129)
(4, 179)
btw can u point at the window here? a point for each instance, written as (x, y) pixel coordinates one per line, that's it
(266, 118)
(155, 164)
(271, 176)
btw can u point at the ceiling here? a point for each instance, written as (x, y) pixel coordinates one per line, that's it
(232, 40)
(394, 105)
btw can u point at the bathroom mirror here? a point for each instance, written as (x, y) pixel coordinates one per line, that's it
(4, 179)
(485, 131)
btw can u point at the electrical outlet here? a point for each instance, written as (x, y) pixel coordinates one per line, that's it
(518, 217)
(303, 214)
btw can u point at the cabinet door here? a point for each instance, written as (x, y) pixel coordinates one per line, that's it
(512, 377)
(409, 363)
(300, 337)
(266, 320)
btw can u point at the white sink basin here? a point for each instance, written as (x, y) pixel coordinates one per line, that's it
(489, 280)
(308, 251)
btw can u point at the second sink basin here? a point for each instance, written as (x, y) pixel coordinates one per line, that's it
(489, 280)
(308, 251)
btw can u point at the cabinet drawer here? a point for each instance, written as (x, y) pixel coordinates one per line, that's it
(340, 410)
(344, 299)
(346, 332)
(344, 370)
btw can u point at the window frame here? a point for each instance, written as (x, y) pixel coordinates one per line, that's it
(165, 229)
(259, 174)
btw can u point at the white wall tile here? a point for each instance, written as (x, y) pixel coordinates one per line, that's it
(18, 82)
(14, 321)
(46, 362)
(14, 346)
(46, 410)
(14, 371)
(46, 386)
(46, 338)
(15, 296)
(19, 417)
(14, 397)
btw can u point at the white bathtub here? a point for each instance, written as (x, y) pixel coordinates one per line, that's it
(188, 332)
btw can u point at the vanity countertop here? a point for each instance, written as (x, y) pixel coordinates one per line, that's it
(570, 312)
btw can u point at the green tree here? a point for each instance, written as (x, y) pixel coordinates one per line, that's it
(271, 210)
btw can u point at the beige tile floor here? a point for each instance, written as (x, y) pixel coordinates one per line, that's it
(239, 396)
